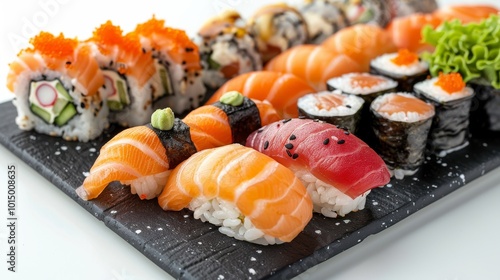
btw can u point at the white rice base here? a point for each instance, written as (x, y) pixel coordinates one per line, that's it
(327, 199)
(139, 111)
(344, 84)
(408, 117)
(150, 186)
(308, 104)
(84, 126)
(229, 219)
(384, 63)
(431, 90)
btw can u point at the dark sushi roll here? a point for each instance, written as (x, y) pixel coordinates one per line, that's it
(403, 8)
(335, 107)
(401, 124)
(485, 113)
(367, 11)
(226, 49)
(323, 18)
(452, 102)
(276, 28)
(366, 85)
(405, 67)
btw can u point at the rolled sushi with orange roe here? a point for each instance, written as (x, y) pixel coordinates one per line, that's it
(401, 125)
(128, 71)
(57, 84)
(452, 100)
(177, 82)
(403, 66)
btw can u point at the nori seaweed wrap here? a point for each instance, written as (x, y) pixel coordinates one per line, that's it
(485, 108)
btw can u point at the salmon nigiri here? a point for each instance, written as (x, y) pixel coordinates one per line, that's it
(406, 32)
(338, 169)
(282, 90)
(248, 194)
(143, 156)
(361, 42)
(315, 64)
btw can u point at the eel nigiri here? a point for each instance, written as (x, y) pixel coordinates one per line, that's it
(248, 194)
(143, 156)
(338, 169)
(282, 90)
(361, 42)
(313, 63)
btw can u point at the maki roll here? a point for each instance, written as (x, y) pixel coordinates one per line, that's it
(403, 8)
(226, 49)
(57, 86)
(367, 11)
(401, 124)
(452, 103)
(404, 66)
(177, 80)
(276, 28)
(323, 18)
(128, 71)
(335, 107)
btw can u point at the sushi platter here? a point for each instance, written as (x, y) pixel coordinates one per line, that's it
(260, 145)
(189, 249)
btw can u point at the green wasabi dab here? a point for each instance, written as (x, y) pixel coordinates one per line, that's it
(233, 98)
(163, 119)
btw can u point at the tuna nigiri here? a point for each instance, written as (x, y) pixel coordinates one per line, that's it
(361, 42)
(338, 168)
(143, 156)
(282, 90)
(315, 64)
(248, 194)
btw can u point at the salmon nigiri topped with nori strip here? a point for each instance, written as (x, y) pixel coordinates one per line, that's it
(337, 168)
(57, 84)
(143, 156)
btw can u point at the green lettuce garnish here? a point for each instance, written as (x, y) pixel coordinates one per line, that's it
(472, 49)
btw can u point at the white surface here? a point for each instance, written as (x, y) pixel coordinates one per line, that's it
(454, 239)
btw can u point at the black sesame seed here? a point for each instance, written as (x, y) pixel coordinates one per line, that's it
(348, 106)
(293, 137)
(326, 141)
(347, 132)
(68, 62)
(111, 63)
(289, 153)
(189, 49)
(266, 145)
(260, 130)
(315, 120)
(289, 146)
(183, 62)
(294, 156)
(287, 120)
(196, 74)
(143, 50)
(341, 141)
(82, 105)
(302, 117)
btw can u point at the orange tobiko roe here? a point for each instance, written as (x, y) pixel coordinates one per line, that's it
(405, 57)
(57, 50)
(451, 82)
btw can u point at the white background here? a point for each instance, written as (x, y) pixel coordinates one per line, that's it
(453, 239)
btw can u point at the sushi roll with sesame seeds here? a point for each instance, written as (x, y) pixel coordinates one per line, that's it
(367, 11)
(401, 8)
(323, 18)
(226, 49)
(128, 71)
(58, 89)
(335, 107)
(177, 81)
(452, 100)
(276, 28)
(405, 67)
(401, 123)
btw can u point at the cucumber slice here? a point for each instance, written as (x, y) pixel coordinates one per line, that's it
(66, 114)
(165, 81)
(115, 105)
(122, 92)
(59, 106)
(42, 113)
(60, 88)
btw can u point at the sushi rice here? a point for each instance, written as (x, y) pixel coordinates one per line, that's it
(384, 65)
(347, 85)
(350, 104)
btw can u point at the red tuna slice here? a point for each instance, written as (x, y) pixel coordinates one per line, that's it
(331, 154)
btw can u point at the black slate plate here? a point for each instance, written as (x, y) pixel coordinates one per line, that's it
(189, 249)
